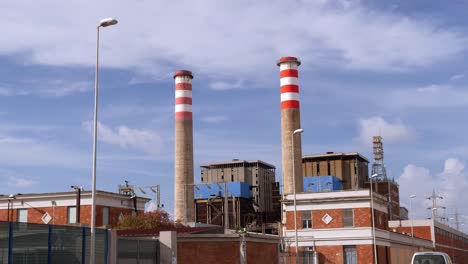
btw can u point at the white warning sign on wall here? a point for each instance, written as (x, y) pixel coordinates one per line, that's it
(46, 218)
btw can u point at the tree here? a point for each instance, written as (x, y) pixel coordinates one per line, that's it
(149, 220)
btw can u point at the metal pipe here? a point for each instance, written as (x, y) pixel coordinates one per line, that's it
(411, 216)
(297, 131)
(373, 218)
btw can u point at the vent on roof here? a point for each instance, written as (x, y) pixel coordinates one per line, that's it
(235, 159)
(329, 152)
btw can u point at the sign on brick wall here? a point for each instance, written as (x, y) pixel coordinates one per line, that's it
(46, 218)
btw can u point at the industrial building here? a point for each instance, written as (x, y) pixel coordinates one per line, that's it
(351, 169)
(238, 193)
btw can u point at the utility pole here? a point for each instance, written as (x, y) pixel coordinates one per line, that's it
(434, 207)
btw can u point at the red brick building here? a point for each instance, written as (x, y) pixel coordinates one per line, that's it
(443, 237)
(60, 208)
(338, 226)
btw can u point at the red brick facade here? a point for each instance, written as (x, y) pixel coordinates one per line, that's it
(59, 215)
(361, 217)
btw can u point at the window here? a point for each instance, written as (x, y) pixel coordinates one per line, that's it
(328, 167)
(232, 178)
(222, 177)
(71, 215)
(348, 220)
(105, 216)
(306, 217)
(23, 215)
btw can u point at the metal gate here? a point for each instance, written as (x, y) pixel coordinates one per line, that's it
(137, 251)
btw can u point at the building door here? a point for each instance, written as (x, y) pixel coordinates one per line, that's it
(350, 256)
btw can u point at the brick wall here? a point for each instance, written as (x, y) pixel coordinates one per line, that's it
(220, 252)
(365, 254)
(330, 254)
(258, 252)
(362, 217)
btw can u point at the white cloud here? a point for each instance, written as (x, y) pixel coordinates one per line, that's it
(18, 151)
(457, 77)
(152, 206)
(47, 88)
(391, 132)
(126, 137)
(21, 182)
(451, 184)
(214, 119)
(429, 96)
(229, 38)
(223, 86)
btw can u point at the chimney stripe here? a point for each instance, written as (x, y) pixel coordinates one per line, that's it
(183, 100)
(289, 80)
(183, 115)
(289, 97)
(289, 89)
(289, 104)
(183, 108)
(183, 79)
(183, 93)
(183, 86)
(289, 73)
(288, 66)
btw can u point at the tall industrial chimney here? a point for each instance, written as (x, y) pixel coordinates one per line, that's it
(184, 207)
(290, 121)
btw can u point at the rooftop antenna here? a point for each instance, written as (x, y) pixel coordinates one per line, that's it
(378, 166)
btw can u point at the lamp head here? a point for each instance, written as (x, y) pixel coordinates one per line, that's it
(374, 175)
(298, 131)
(12, 196)
(107, 22)
(412, 196)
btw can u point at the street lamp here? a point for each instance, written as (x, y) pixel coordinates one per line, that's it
(297, 131)
(411, 217)
(78, 190)
(10, 197)
(373, 218)
(103, 23)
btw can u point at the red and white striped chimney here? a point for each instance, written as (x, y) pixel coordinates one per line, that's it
(290, 121)
(184, 206)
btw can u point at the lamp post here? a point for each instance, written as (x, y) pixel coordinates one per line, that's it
(10, 197)
(297, 131)
(411, 217)
(78, 190)
(103, 23)
(373, 218)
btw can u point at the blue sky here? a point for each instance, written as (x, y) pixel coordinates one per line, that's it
(368, 67)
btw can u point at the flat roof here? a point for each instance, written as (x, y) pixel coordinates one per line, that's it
(235, 161)
(335, 154)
